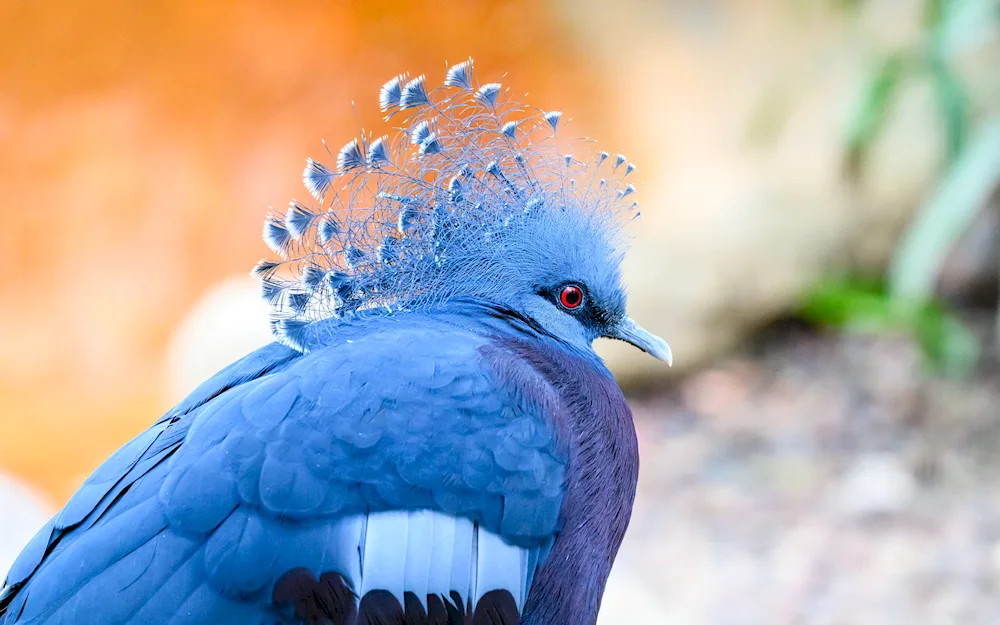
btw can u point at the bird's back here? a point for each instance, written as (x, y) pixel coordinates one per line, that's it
(414, 457)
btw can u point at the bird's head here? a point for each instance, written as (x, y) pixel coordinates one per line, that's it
(475, 196)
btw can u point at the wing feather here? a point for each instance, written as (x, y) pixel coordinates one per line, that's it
(395, 464)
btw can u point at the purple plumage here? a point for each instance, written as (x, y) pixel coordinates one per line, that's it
(431, 440)
(602, 470)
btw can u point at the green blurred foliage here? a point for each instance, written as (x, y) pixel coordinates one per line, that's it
(930, 57)
(860, 305)
(962, 192)
(873, 108)
(905, 302)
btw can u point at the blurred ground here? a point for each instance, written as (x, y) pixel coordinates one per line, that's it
(816, 479)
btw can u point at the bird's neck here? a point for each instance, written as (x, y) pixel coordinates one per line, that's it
(602, 475)
(509, 322)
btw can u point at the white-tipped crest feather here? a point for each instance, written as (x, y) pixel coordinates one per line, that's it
(470, 170)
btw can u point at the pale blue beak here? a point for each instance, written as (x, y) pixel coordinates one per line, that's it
(631, 332)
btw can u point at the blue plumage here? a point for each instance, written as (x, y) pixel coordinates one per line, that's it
(431, 439)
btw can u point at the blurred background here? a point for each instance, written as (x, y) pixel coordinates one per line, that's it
(818, 244)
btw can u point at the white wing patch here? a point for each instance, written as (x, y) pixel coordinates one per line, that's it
(431, 553)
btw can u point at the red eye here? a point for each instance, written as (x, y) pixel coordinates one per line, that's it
(571, 296)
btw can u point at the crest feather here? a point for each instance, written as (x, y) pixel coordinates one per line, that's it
(414, 94)
(317, 179)
(460, 75)
(390, 94)
(469, 177)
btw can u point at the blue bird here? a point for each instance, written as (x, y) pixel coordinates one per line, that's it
(430, 440)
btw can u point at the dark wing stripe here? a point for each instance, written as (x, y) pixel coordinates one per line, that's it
(482, 570)
(456, 608)
(496, 607)
(380, 607)
(437, 614)
(414, 609)
(335, 596)
(330, 599)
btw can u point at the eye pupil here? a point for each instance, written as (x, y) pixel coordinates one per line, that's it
(571, 296)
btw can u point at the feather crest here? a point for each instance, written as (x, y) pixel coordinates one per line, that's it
(377, 153)
(420, 132)
(390, 94)
(277, 237)
(297, 219)
(488, 93)
(460, 75)
(552, 118)
(470, 171)
(414, 94)
(328, 228)
(350, 157)
(317, 179)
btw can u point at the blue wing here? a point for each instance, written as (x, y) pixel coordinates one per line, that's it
(398, 464)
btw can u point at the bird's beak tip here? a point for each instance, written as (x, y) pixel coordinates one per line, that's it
(662, 352)
(631, 332)
(668, 358)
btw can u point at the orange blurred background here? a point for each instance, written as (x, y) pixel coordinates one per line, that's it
(140, 146)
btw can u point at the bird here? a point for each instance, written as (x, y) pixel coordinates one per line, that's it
(429, 439)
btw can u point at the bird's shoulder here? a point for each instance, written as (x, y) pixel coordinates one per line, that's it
(398, 413)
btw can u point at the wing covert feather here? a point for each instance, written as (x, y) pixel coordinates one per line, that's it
(267, 474)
